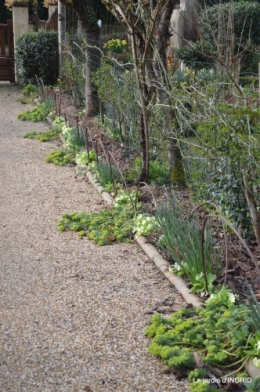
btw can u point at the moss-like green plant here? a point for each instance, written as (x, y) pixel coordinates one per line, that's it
(105, 227)
(39, 113)
(222, 334)
(202, 387)
(60, 158)
(52, 134)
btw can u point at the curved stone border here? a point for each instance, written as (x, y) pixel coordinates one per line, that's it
(164, 267)
(106, 196)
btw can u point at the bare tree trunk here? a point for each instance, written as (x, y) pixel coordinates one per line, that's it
(144, 172)
(92, 64)
(62, 30)
(36, 15)
(255, 215)
(91, 31)
(144, 101)
(175, 159)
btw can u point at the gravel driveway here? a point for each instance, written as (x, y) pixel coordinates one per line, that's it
(72, 314)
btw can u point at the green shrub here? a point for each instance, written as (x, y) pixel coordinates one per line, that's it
(249, 81)
(30, 93)
(159, 171)
(37, 54)
(29, 90)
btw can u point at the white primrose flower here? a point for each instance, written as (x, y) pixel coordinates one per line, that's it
(257, 346)
(211, 297)
(232, 297)
(144, 225)
(256, 361)
(177, 267)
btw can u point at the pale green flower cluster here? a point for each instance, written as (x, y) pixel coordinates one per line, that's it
(85, 158)
(59, 122)
(125, 198)
(144, 225)
(82, 158)
(257, 346)
(66, 132)
(231, 297)
(175, 268)
(256, 361)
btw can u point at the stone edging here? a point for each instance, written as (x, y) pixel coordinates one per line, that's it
(153, 254)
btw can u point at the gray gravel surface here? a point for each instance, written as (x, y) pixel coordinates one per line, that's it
(72, 314)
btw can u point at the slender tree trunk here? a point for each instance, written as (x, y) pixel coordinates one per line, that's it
(92, 64)
(144, 172)
(36, 15)
(143, 115)
(62, 31)
(255, 215)
(175, 159)
(91, 31)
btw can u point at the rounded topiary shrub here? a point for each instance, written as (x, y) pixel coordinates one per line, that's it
(37, 54)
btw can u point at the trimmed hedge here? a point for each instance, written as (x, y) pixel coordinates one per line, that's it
(38, 54)
(249, 81)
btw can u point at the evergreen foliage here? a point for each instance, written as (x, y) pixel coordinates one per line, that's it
(37, 54)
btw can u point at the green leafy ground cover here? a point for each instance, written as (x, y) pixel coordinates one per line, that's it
(40, 113)
(117, 223)
(61, 158)
(52, 134)
(223, 334)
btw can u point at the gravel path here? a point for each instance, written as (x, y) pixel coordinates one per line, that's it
(72, 314)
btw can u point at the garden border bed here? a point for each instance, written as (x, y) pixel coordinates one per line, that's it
(162, 264)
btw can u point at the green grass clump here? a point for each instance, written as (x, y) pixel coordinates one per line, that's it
(60, 158)
(105, 227)
(37, 114)
(108, 174)
(52, 134)
(181, 238)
